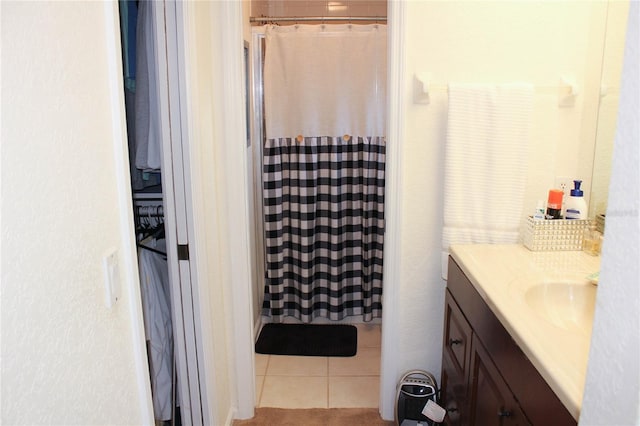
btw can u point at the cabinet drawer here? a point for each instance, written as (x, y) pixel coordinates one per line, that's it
(457, 336)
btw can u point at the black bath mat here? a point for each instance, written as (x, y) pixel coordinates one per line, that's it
(308, 340)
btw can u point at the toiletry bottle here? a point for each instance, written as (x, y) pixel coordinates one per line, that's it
(538, 213)
(576, 207)
(554, 204)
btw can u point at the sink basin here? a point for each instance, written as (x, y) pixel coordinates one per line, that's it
(565, 304)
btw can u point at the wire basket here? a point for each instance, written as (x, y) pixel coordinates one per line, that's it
(554, 235)
(600, 219)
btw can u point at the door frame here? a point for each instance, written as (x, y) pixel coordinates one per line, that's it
(389, 369)
(390, 359)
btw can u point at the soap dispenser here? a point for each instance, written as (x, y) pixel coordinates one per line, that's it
(576, 207)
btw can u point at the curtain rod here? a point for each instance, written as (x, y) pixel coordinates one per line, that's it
(316, 18)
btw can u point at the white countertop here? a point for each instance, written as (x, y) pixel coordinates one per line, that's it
(503, 274)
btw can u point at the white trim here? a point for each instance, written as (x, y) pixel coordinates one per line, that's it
(393, 193)
(234, 132)
(127, 228)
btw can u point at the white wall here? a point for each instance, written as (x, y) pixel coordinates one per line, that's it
(485, 42)
(66, 358)
(217, 145)
(612, 390)
(210, 257)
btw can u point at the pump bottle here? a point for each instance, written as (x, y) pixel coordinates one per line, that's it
(576, 207)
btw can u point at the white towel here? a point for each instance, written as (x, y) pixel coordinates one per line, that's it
(488, 133)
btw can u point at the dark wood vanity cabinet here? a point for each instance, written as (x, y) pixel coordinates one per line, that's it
(486, 379)
(492, 402)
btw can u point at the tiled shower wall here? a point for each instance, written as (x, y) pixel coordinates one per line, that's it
(329, 8)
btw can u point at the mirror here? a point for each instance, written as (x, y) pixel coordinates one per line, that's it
(612, 56)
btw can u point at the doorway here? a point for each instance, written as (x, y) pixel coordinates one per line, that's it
(279, 380)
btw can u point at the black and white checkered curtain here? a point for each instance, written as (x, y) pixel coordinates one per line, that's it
(324, 225)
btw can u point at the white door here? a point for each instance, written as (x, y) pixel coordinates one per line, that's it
(177, 205)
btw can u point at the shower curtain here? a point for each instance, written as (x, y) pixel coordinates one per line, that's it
(323, 172)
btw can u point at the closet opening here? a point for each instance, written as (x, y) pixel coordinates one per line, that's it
(137, 30)
(151, 63)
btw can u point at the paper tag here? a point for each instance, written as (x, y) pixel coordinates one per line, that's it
(434, 412)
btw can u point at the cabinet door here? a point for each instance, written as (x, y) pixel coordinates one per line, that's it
(457, 336)
(491, 400)
(453, 394)
(455, 363)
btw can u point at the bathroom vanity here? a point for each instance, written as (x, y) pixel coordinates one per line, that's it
(517, 328)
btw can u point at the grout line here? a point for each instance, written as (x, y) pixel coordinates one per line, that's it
(328, 380)
(259, 402)
(328, 383)
(266, 368)
(264, 380)
(328, 366)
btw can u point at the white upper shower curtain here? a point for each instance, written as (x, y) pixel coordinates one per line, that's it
(325, 80)
(323, 173)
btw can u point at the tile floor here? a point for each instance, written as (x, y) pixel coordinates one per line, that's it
(322, 382)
